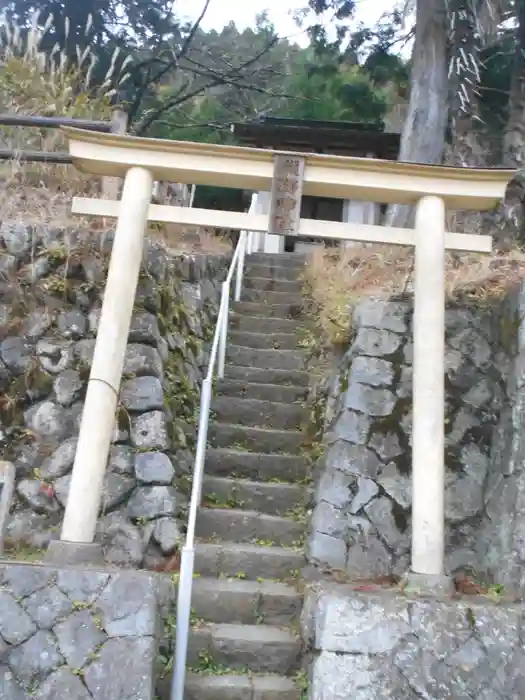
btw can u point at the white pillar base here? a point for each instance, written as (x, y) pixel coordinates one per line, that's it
(270, 242)
(359, 213)
(273, 244)
(428, 585)
(62, 553)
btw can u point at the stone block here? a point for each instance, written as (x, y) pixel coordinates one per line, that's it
(378, 313)
(142, 360)
(390, 645)
(68, 387)
(150, 502)
(72, 324)
(386, 445)
(123, 670)
(327, 549)
(369, 400)
(78, 634)
(376, 343)
(336, 488)
(142, 394)
(351, 427)
(48, 420)
(372, 370)
(149, 431)
(154, 468)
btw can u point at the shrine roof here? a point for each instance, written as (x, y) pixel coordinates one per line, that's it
(318, 136)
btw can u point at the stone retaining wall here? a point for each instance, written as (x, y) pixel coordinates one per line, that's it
(500, 543)
(51, 286)
(361, 520)
(78, 634)
(387, 645)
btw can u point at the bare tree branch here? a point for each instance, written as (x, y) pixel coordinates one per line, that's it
(233, 76)
(191, 36)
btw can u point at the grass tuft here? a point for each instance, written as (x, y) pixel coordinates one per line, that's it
(34, 82)
(336, 279)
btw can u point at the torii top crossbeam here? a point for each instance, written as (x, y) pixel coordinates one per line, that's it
(343, 177)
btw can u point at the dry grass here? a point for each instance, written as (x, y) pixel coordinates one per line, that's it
(41, 195)
(335, 280)
(178, 238)
(35, 83)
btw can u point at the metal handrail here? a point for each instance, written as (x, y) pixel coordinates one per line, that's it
(7, 489)
(245, 245)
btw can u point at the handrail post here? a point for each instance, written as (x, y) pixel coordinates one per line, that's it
(256, 235)
(7, 476)
(192, 195)
(223, 321)
(182, 628)
(240, 265)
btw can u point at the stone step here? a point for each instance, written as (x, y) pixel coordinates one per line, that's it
(265, 324)
(205, 687)
(263, 392)
(277, 259)
(270, 284)
(265, 341)
(257, 648)
(257, 413)
(265, 359)
(255, 375)
(263, 296)
(249, 439)
(256, 466)
(234, 525)
(270, 498)
(233, 600)
(277, 272)
(256, 308)
(251, 561)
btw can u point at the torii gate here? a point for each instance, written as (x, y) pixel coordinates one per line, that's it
(430, 188)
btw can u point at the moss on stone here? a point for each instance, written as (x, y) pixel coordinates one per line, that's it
(33, 382)
(508, 331)
(123, 419)
(401, 516)
(180, 397)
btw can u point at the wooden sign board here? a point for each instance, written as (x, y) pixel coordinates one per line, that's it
(287, 189)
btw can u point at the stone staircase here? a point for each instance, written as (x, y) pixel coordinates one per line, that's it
(245, 642)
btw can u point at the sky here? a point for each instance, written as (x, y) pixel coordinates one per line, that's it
(220, 12)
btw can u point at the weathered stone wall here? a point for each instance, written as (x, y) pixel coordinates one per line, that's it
(79, 634)
(51, 286)
(388, 645)
(500, 543)
(361, 521)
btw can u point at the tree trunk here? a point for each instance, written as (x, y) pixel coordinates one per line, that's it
(464, 78)
(514, 135)
(465, 148)
(506, 224)
(423, 137)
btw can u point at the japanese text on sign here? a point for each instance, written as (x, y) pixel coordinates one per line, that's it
(287, 188)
